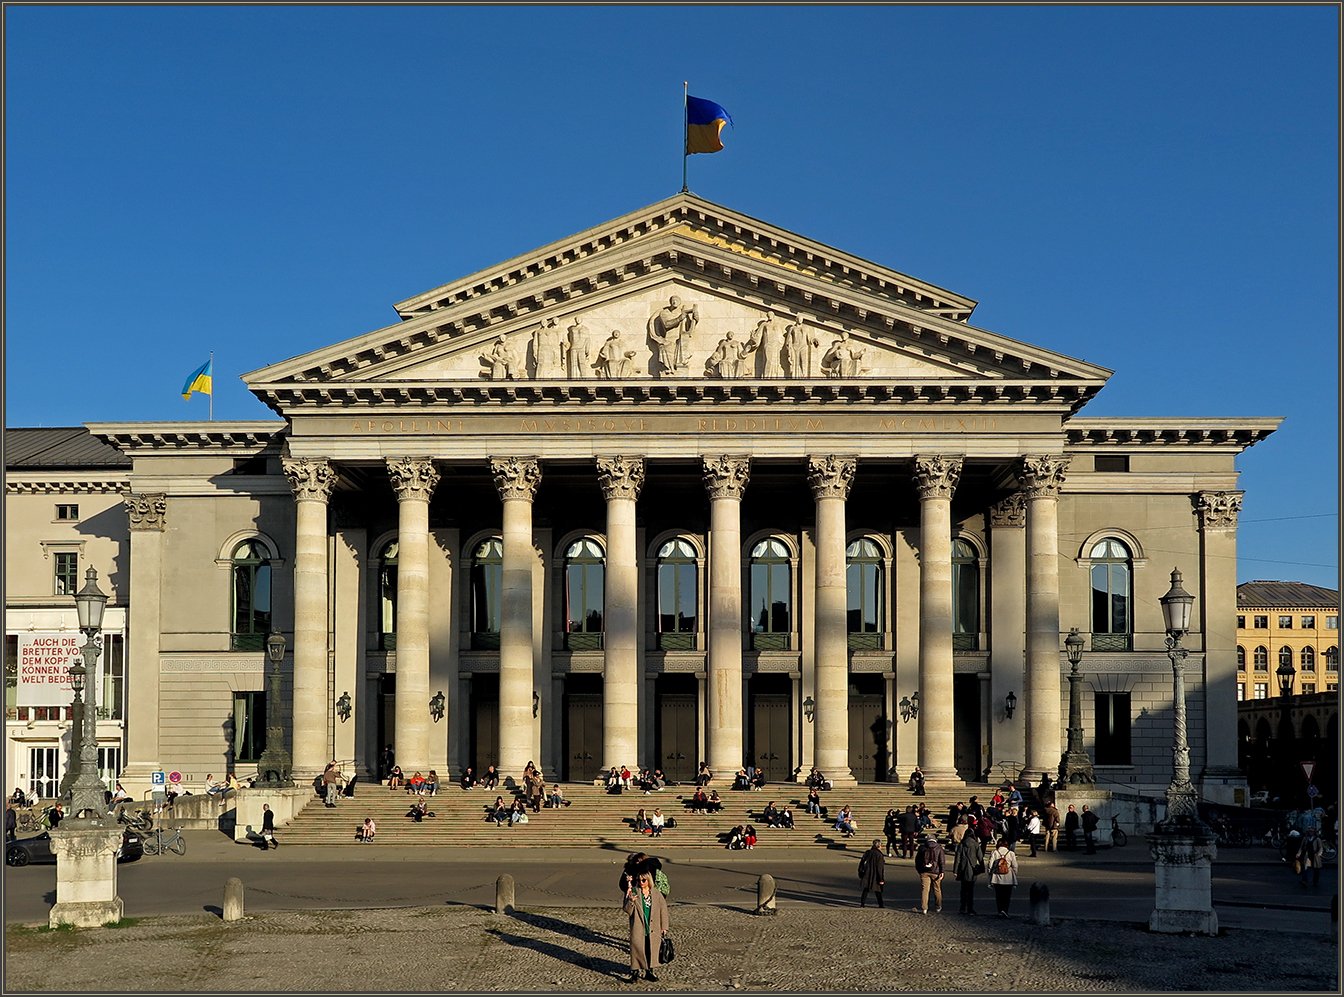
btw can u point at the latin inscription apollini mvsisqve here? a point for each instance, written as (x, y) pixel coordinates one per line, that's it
(670, 425)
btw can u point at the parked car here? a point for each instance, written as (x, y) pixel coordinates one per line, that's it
(38, 849)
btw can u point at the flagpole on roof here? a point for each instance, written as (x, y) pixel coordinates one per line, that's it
(685, 118)
(212, 385)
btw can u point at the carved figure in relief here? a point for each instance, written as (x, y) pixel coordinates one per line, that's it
(800, 349)
(769, 339)
(614, 359)
(670, 329)
(503, 361)
(548, 347)
(726, 361)
(576, 351)
(844, 358)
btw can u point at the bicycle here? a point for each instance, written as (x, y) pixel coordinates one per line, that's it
(157, 844)
(28, 820)
(1118, 837)
(141, 819)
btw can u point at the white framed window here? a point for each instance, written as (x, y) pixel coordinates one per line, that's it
(1262, 690)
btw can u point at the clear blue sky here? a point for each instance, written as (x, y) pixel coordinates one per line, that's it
(1152, 189)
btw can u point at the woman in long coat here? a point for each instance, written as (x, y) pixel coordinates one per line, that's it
(648, 925)
(967, 866)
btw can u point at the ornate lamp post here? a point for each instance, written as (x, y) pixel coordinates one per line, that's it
(1285, 673)
(87, 792)
(274, 766)
(72, 766)
(1076, 767)
(1182, 798)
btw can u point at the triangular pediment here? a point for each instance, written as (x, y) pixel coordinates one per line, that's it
(782, 306)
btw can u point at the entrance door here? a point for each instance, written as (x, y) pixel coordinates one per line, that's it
(484, 722)
(583, 728)
(771, 748)
(387, 715)
(966, 742)
(43, 775)
(867, 729)
(677, 727)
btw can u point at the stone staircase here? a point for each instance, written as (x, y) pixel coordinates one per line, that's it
(596, 819)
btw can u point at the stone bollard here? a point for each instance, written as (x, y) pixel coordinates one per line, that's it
(233, 898)
(1040, 904)
(504, 894)
(765, 895)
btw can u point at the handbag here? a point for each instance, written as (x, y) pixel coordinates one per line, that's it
(666, 952)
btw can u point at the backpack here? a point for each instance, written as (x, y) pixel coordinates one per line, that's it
(1001, 866)
(660, 881)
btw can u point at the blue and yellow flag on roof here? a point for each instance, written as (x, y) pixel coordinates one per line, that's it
(704, 120)
(200, 380)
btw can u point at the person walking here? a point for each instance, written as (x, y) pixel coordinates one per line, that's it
(929, 861)
(1311, 854)
(1002, 875)
(968, 862)
(1090, 822)
(891, 828)
(1071, 824)
(1033, 830)
(1051, 827)
(648, 924)
(909, 829)
(11, 822)
(268, 827)
(872, 873)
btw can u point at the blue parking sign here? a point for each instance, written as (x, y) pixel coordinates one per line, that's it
(156, 778)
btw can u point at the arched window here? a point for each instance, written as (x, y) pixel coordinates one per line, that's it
(1261, 658)
(1112, 625)
(1286, 656)
(863, 580)
(1308, 658)
(1332, 659)
(487, 584)
(965, 597)
(584, 579)
(1241, 658)
(677, 596)
(771, 596)
(387, 597)
(251, 596)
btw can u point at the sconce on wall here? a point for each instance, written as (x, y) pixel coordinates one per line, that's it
(909, 707)
(809, 709)
(1009, 705)
(536, 703)
(436, 706)
(343, 707)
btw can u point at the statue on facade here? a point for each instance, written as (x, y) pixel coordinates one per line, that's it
(670, 329)
(844, 358)
(548, 348)
(800, 346)
(502, 360)
(726, 360)
(614, 360)
(769, 340)
(576, 351)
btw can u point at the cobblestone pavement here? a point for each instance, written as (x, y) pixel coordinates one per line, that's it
(587, 950)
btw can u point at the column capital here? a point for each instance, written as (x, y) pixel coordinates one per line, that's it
(936, 475)
(1217, 510)
(147, 510)
(831, 476)
(1010, 511)
(725, 476)
(516, 477)
(413, 477)
(1043, 474)
(310, 478)
(620, 477)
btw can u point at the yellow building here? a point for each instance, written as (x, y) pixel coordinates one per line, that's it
(1286, 624)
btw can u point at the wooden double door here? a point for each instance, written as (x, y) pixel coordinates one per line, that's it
(770, 742)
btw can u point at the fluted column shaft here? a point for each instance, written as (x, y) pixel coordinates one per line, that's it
(517, 479)
(147, 520)
(830, 478)
(725, 480)
(936, 479)
(1042, 475)
(311, 480)
(621, 479)
(414, 481)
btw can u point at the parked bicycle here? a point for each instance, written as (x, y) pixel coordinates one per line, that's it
(159, 841)
(29, 820)
(1118, 837)
(136, 818)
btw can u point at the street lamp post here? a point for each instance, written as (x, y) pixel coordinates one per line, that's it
(72, 766)
(1286, 673)
(1075, 768)
(1182, 798)
(87, 792)
(274, 767)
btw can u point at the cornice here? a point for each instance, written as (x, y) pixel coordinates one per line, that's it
(67, 486)
(249, 437)
(1149, 432)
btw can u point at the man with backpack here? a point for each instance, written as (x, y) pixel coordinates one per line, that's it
(929, 864)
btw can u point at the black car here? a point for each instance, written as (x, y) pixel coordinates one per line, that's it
(38, 848)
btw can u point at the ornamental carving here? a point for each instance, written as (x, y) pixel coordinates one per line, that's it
(831, 476)
(844, 358)
(577, 354)
(936, 476)
(1218, 510)
(502, 362)
(516, 477)
(670, 330)
(1010, 511)
(1043, 474)
(768, 342)
(802, 349)
(548, 350)
(620, 477)
(147, 510)
(726, 477)
(310, 478)
(615, 360)
(729, 357)
(413, 477)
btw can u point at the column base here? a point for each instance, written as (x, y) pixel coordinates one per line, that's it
(1178, 922)
(86, 913)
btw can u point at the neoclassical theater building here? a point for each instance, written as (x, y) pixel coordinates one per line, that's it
(685, 486)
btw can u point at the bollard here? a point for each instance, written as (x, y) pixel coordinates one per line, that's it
(233, 898)
(1040, 905)
(504, 894)
(765, 895)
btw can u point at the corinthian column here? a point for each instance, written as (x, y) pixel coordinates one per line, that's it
(147, 515)
(312, 480)
(621, 479)
(1042, 475)
(725, 480)
(1217, 511)
(517, 479)
(830, 478)
(936, 479)
(413, 479)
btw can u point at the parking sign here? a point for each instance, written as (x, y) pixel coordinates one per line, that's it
(156, 778)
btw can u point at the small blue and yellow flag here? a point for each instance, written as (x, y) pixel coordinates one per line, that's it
(704, 121)
(200, 380)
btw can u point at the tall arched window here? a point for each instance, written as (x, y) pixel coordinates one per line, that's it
(1112, 625)
(771, 596)
(1260, 657)
(487, 584)
(1308, 659)
(1332, 659)
(251, 596)
(584, 579)
(867, 600)
(387, 597)
(677, 596)
(1286, 656)
(1241, 658)
(965, 597)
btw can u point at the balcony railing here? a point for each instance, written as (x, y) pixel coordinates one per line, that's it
(583, 642)
(865, 642)
(965, 642)
(769, 642)
(247, 642)
(676, 642)
(1112, 642)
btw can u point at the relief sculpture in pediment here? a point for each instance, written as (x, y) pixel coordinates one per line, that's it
(615, 360)
(502, 361)
(576, 351)
(670, 330)
(728, 357)
(802, 348)
(844, 358)
(548, 350)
